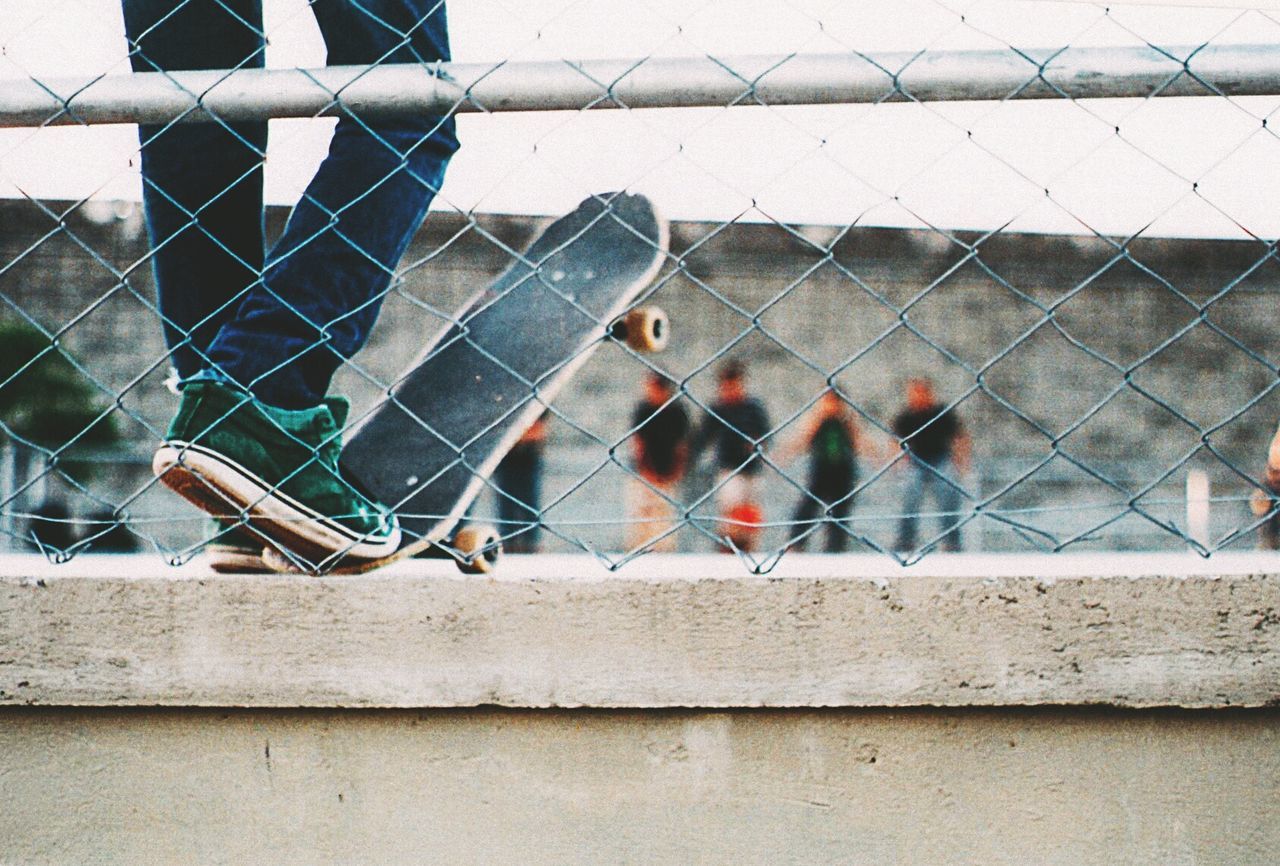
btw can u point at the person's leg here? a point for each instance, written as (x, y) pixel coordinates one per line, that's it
(730, 498)
(807, 510)
(842, 507)
(517, 499)
(649, 515)
(749, 517)
(201, 182)
(663, 514)
(201, 188)
(635, 531)
(533, 507)
(911, 501)
(508, 520)
(255, 429)
(326, 276)
(949, 499)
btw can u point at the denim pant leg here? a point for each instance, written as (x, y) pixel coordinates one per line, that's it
(949, 499)
(201, 182)
(917, 476)
(327, 275)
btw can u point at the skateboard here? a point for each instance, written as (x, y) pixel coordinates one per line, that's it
(427, 450)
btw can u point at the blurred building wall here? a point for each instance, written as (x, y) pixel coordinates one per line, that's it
(1119, 358)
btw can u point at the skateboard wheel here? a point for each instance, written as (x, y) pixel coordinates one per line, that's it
(646, 329)
(477, 549)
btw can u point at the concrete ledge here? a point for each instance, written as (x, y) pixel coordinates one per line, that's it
(1053, 786)
(854, 631)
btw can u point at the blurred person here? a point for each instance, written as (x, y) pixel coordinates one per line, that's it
(937, 451)
(1264, 502)
(518, 481)
(107, 534)
(660, 446)
(736, 426)
(50, 527)
(255, 338)
(833, 439)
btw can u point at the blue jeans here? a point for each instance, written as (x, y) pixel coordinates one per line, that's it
(936, 479)
(282, 323)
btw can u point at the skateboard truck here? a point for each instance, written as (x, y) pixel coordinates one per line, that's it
(645, 329)
(475, 549)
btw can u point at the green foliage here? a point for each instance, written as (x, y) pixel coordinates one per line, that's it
(50, 402)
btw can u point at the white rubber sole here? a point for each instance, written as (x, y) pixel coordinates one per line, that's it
(223, 488)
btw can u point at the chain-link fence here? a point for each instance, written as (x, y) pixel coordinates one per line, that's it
(990, 276)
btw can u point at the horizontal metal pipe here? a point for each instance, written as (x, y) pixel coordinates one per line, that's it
(818, 79)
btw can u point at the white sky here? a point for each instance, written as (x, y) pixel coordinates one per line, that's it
(956, 165)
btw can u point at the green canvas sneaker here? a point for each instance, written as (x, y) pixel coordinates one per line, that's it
(230, 455)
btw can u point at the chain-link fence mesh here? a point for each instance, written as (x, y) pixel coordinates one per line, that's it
(979, 275)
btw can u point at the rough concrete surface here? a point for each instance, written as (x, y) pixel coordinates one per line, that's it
(670, 631)
(926, 786)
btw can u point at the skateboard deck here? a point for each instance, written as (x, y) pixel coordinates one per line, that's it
(427, 450)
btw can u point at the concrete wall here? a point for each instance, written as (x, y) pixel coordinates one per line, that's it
(676, 630)
(1075, 787)
(1152, 323)
(990, 710)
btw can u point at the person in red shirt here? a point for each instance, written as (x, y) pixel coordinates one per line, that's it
(937, 449)
(737, 425)
(660, 446)
(1263, 501)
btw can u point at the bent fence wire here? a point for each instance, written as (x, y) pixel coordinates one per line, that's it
(928, 288)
